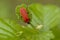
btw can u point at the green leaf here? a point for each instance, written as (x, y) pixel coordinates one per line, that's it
(44, 15)
(56, 29)
(8, 29)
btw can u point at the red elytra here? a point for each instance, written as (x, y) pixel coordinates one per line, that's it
(23, 13)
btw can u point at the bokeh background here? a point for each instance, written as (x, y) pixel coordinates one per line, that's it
(7, 7)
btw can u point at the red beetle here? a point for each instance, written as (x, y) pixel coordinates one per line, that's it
(24, 14)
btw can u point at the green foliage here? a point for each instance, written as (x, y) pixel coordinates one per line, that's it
(56, 29)
(8, 29)
(47, 16)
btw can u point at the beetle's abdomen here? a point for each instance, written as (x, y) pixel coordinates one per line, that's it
(24, 14)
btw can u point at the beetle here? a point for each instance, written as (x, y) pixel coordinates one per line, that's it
(24, 15)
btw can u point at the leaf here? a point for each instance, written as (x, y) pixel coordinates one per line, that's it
(56, 29)
(8, 29)
(45, 15)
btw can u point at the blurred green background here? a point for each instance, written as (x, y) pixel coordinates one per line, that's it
(8, 6)
(7, 10)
